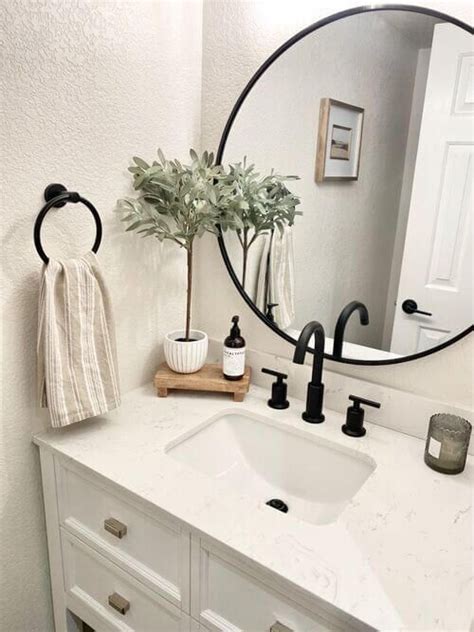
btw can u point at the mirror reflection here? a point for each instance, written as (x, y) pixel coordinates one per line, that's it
(374, 114)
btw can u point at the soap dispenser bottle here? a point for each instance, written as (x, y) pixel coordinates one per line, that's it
(234, 353)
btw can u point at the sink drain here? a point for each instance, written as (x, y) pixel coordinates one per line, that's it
(276, 503)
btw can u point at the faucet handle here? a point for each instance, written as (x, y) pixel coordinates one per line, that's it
(354, 426)
(279, 388)
(281, 376)
(361, 400)
(269, 313)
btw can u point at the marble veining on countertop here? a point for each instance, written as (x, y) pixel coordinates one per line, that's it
(397, 558)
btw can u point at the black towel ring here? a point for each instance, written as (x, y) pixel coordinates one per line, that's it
(57, 195)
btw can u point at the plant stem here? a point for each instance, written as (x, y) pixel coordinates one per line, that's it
(252, 240)
(245, 249)
(189, 253)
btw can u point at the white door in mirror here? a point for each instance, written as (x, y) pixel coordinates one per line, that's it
(437, 261)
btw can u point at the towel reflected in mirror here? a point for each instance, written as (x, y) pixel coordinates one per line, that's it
(276, 277)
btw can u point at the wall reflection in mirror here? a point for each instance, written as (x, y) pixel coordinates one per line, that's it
(374, 114)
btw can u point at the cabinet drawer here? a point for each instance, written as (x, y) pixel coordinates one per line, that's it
(231, 599)
(116, 599)
(154, 549)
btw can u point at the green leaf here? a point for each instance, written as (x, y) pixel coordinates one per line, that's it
(133, 226)
(141, 163)
(161, 156)
(139, 180)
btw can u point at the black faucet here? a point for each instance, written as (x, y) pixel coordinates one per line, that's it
(314, 398)
(342, 322)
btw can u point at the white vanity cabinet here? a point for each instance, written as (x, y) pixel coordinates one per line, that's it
(121, 564)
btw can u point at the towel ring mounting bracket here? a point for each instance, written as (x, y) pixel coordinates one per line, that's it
(57, 195)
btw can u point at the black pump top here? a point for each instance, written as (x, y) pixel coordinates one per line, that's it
(235, 329)
(234, 340)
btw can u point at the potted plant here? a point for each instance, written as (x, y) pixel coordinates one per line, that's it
(178, 203)
(258, 205)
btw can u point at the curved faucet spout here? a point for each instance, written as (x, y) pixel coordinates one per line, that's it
(344, 316)
(314, 400)
(308, 330)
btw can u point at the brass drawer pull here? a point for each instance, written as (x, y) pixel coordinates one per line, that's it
(115, 527)
(119, 603)
(279, 627)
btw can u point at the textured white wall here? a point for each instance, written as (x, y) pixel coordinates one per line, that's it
(238, 36)
(347, 230)
(86, 84)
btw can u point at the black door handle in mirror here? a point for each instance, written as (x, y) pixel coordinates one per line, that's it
(410, 306)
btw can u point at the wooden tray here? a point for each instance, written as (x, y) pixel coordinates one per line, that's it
(209, 378)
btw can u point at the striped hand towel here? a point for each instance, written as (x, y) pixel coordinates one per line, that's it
(77, 363)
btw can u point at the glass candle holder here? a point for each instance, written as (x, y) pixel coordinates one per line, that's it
(447, 443)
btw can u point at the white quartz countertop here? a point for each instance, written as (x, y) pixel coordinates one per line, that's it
(397, 558)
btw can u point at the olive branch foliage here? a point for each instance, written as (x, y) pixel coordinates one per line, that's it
(257, 206)
(179, 202)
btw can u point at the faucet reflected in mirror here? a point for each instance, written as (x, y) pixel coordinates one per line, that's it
(341, 323)
(315, 394)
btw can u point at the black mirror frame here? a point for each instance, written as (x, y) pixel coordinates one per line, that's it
(228, 126)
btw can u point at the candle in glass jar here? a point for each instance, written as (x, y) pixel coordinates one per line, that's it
(447, 443)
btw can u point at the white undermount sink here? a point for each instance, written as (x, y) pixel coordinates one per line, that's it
(267, 460)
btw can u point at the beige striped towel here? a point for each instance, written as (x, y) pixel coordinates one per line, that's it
(77, 363)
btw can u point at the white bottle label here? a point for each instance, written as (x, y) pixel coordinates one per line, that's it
(234, 361)
(434, 448)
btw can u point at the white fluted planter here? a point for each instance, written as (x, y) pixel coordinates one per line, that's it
(186, 357)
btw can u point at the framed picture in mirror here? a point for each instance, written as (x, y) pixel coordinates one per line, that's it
(339, 141)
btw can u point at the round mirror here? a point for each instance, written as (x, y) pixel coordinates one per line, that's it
(373, 111)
